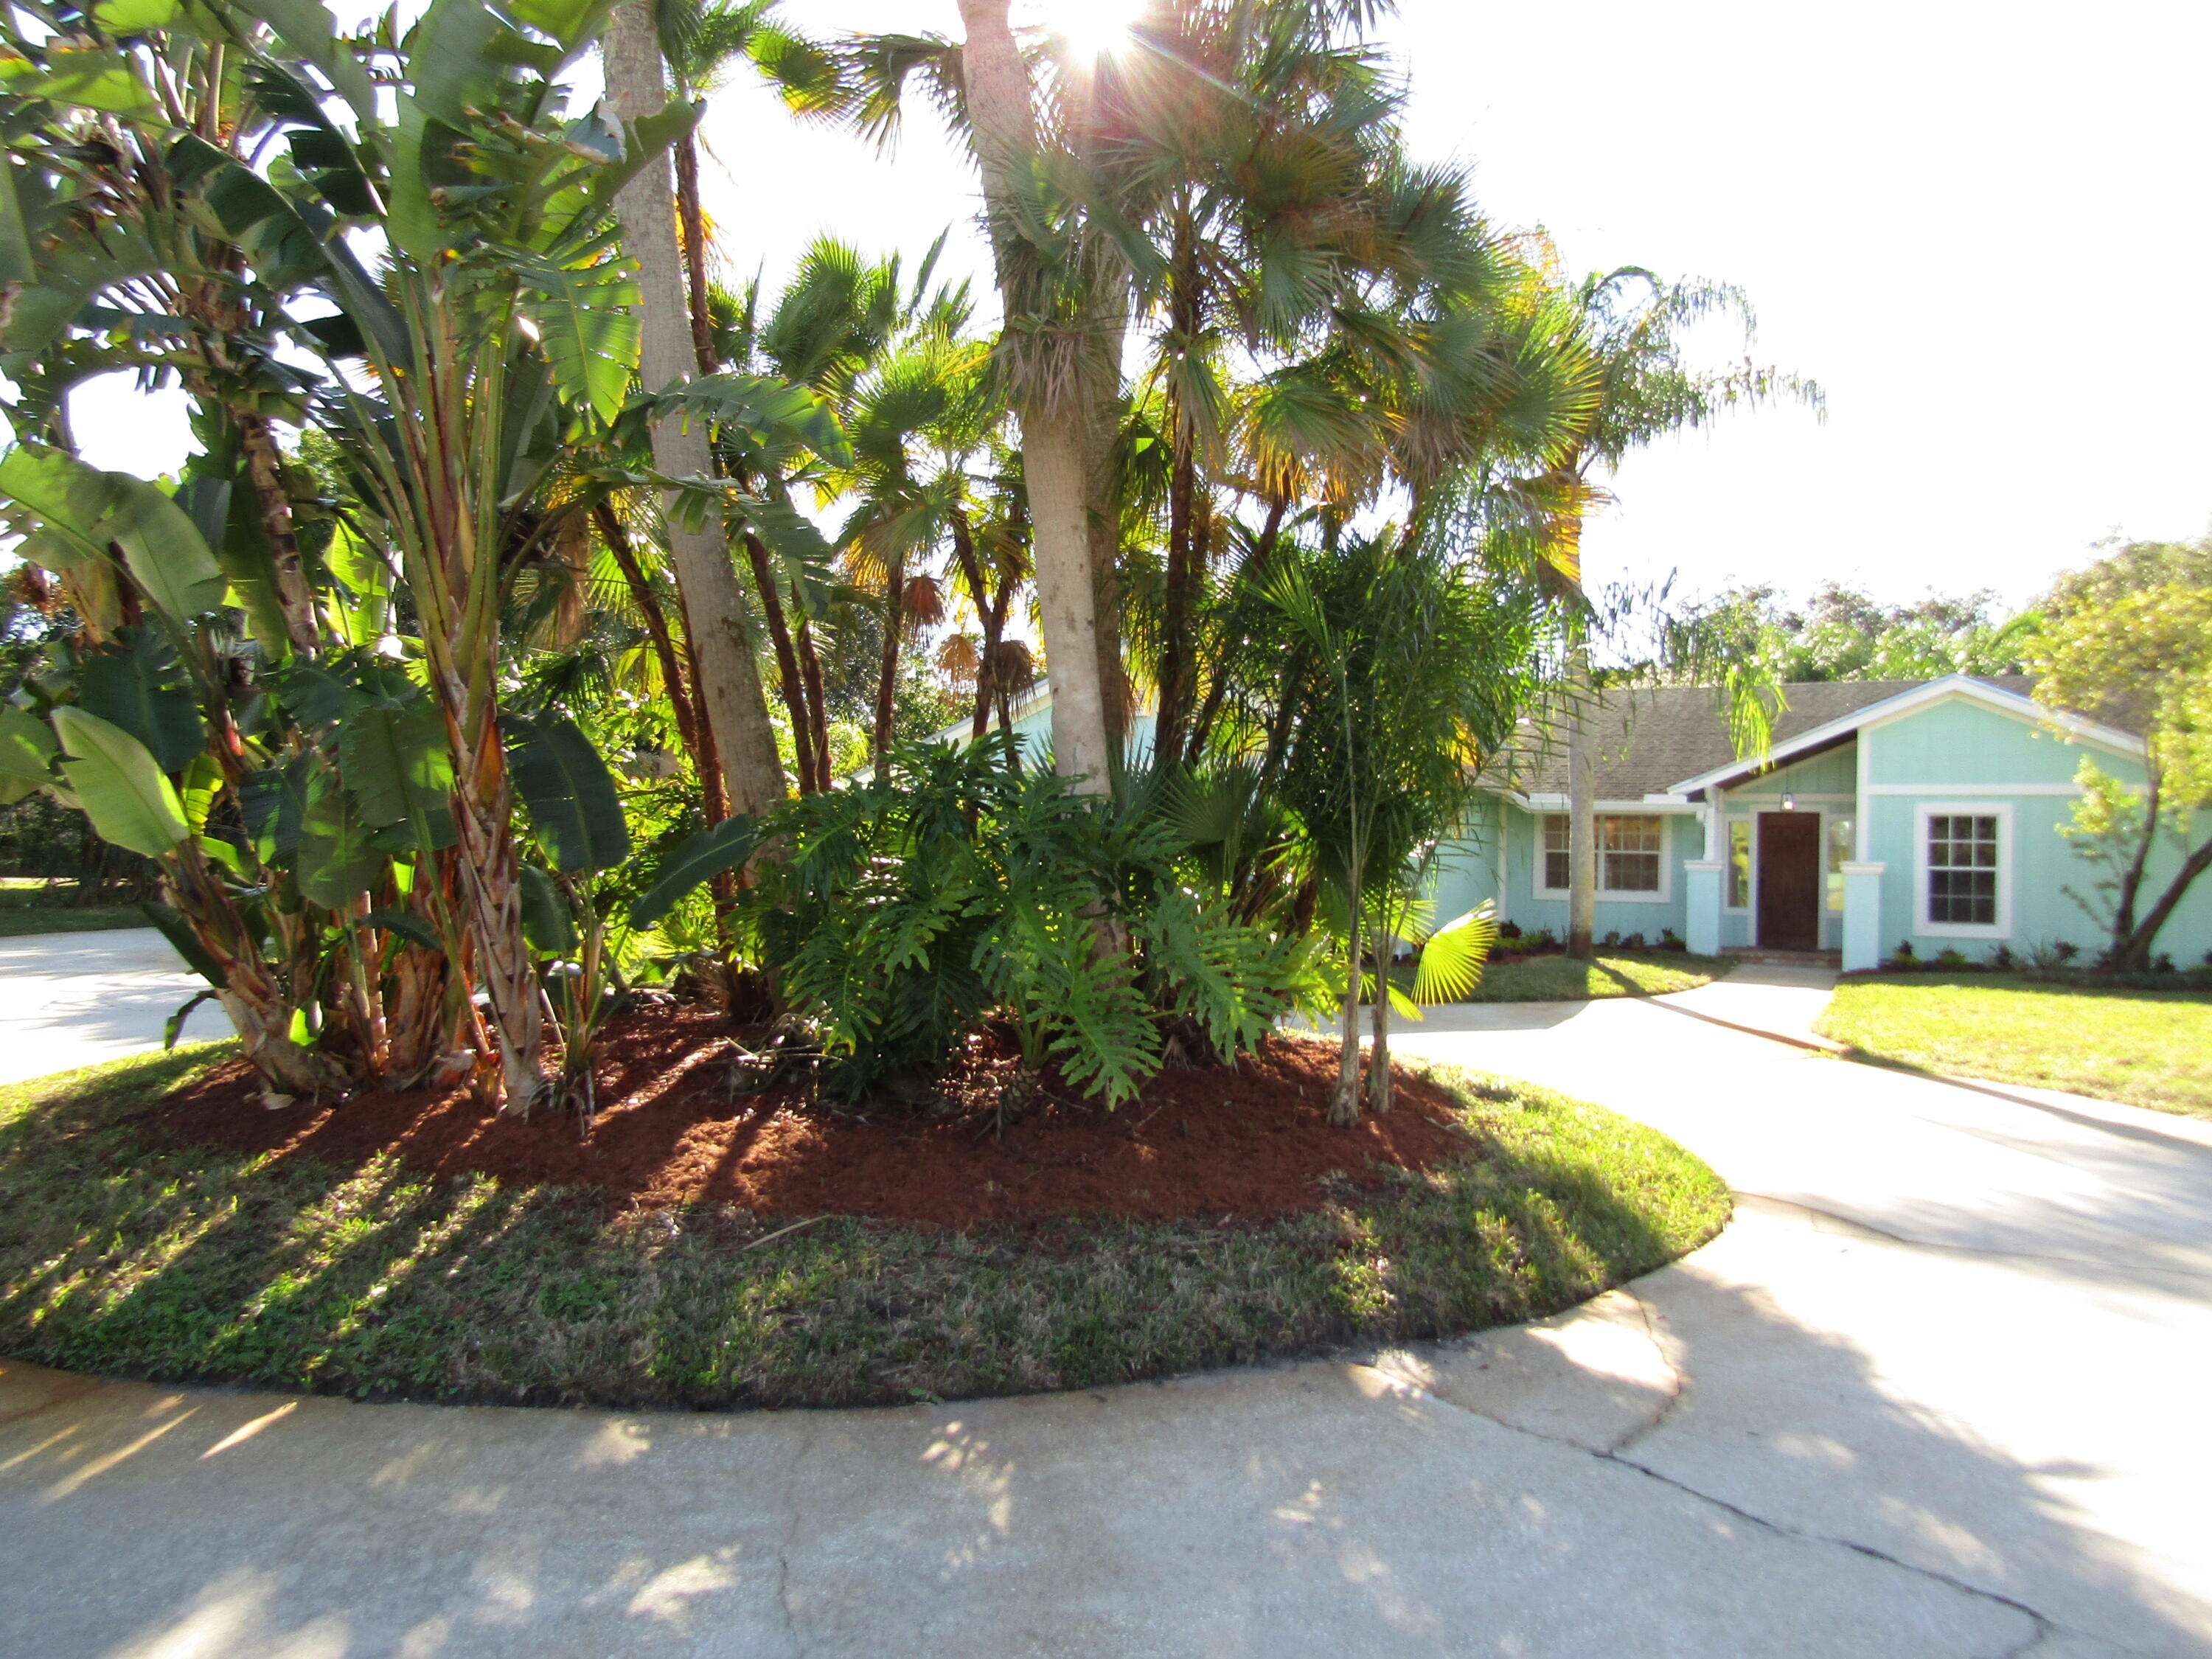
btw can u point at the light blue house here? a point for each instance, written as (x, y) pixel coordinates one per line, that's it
(1885, 813)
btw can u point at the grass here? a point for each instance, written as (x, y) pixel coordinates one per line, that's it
(2145, 1048)
(121, 1254)
(28, 905)
(1614, 974)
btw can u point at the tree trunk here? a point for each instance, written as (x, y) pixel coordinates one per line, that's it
(1053, 419)
(491, 888)
(1582, 810)
(2124, 902)
(817, 708)
(714, 599)
(673, 676)
(887, 677)
(789, 683)
(1344, 1103)
(295, 596)
(693, 219)
(1379, 1053)
(2146, 933)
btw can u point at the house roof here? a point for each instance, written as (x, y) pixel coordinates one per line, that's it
(1663, 740)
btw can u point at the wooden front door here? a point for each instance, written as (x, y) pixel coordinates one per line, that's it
(1789, 881)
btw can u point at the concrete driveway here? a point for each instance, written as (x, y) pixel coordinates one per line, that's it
(1937, 1391)
(72, 999)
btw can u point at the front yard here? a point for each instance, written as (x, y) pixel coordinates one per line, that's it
(2145, 1048)
(1610, 973)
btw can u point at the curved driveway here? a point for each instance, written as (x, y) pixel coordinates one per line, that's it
(1939, 1390)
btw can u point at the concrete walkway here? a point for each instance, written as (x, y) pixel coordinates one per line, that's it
(1937, 1391)
(72, 999)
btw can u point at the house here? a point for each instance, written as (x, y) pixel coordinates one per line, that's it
(1882, 813)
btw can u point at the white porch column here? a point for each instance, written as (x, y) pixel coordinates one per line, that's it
(1701, 906)
(1862, 916)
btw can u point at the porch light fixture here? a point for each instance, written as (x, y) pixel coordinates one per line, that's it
(1789, 803)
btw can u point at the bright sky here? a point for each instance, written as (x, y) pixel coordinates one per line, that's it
(1971, 223)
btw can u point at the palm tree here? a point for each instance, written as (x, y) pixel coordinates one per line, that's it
(1633, 324)
(716, 610)
(1051, 353)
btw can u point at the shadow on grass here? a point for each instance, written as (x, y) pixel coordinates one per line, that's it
(121, 1254)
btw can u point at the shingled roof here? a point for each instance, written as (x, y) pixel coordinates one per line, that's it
(1652, 738)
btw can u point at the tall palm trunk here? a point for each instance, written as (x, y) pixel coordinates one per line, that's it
(1344, 1102)
(683, 701)
(713, 597)
(694, 217)
(1055, 442)
(887, 672)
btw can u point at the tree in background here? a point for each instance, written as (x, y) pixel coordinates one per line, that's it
(2128, 642)
(1841, 634)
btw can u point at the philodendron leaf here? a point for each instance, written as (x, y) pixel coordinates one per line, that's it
(700, 858)
(571, 796)
(119, 785)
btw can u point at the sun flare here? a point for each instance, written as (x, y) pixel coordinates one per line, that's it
(1094, 28)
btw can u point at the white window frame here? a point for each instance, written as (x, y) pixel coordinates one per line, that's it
(1750, 822)
(1985, 808)
(1610, 894)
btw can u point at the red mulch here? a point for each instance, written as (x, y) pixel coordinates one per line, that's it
(1245, 1145)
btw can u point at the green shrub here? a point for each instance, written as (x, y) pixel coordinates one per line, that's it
(899, 916)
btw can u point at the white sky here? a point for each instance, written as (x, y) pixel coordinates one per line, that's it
(1980, 226)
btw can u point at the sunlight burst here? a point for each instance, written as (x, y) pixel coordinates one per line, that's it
(1095, 29)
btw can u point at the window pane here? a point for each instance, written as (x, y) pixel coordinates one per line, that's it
(1630, 850)
(1555, 874)
(1840, 854)
(1739, 864)
(1962, 869)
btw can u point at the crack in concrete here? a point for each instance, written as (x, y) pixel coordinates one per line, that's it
(1863, 1233)
(795, 1513)
(1678, 1384)
(2043, 1626)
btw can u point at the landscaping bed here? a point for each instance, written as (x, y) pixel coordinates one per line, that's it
(711, 1249)
(2145, 1048)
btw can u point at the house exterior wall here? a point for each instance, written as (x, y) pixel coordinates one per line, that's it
(1957, 756)
(1468, 869)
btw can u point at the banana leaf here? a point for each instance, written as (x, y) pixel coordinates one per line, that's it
(137, 684)
(119, 785)
(336, 862)
(700, 858)
(546, 923)
(571, 795)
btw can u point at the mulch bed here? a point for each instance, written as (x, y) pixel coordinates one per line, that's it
(1242, 1144)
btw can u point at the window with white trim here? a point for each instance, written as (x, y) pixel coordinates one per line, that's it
(1840, 842)
(1628, 854)
(1962, 869)
(1558, 841)
(1739, 864)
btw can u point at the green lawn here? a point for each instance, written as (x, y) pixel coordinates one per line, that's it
(2146, 1048)
(123, 1255)
(30, 906)
(1614, 974)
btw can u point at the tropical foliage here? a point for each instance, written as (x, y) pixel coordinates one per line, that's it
(583, 637)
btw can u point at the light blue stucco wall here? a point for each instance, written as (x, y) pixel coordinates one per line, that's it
(1468, 869)
(1961, 755)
